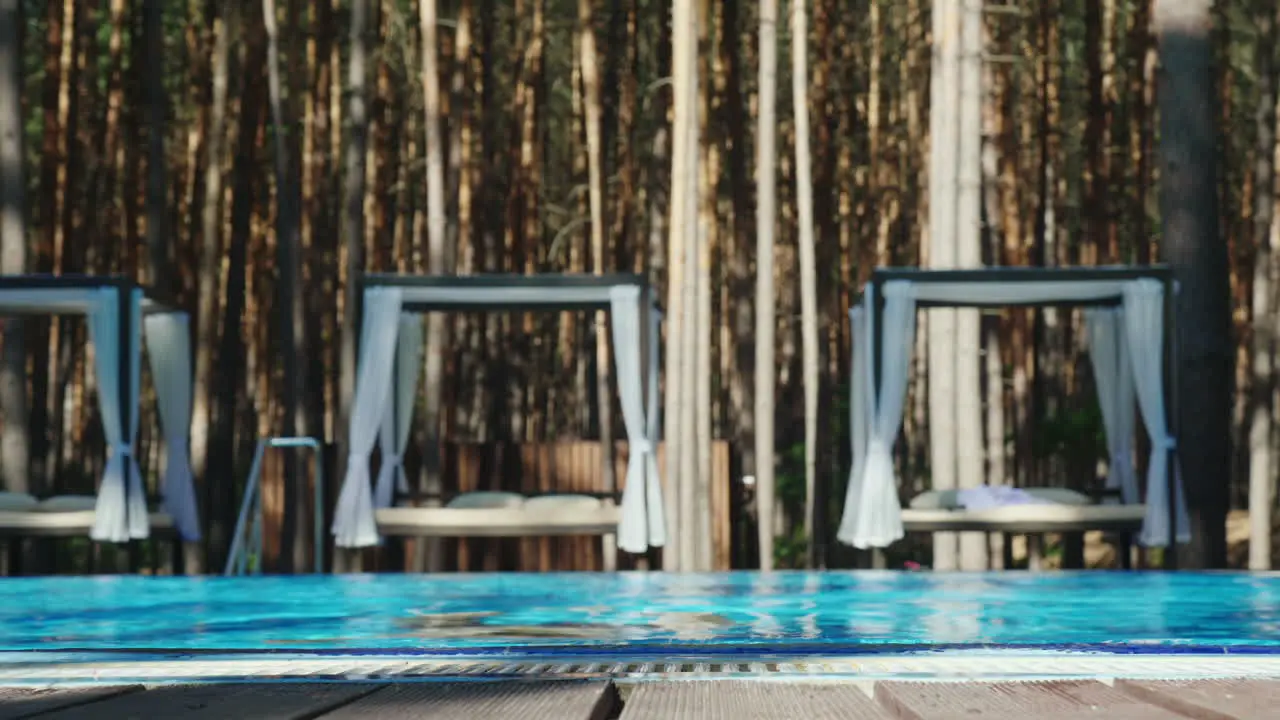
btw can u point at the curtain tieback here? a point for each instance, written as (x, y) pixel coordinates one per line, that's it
(122, 450)
(642, 447)
(876, 444)
(392, 460)
(1168, 443)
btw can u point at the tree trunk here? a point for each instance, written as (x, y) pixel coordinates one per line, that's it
(941, 328)
(595, 196)
(1262, 380)
(437, 330)
(159, 274)
(294, 550)
(808, 270)
(1202, 368)
(353, 224)
(14, 436)
(970, 462)
(766, 216)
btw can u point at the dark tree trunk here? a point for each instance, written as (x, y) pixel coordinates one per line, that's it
(1192, 246)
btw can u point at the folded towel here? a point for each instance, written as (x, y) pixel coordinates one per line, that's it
(985, 497)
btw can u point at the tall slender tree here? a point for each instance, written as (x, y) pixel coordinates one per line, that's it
(766, 215)
(944, 139)
(969, 460)
(437, 255)
(808, 271)
(14, 435)
(1192, 246)
(289, 298)
(1266, 275)
(353, 211)
(159, 273)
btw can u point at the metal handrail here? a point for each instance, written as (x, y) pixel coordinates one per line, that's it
(244, 550)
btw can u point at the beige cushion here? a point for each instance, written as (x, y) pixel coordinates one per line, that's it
(67, 503)
(947, 499)
(566, 501)
(17, 502)
(487, 499)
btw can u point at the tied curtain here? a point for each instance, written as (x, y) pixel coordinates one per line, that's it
(1109, 356)
(393, 436)
(168, 338)
(120, 513)
(1144, 323)
(872, 515)
(354, 524)
(642, 524)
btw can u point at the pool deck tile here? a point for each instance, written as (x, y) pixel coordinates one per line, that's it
(1014, 701)
(18, 703)
(232, 701)
(747, 700)
(661, 700)
(1210, 699)
(554, 700)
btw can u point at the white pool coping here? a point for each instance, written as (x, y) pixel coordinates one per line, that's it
(63, 669)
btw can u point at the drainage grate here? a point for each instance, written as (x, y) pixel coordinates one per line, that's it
(938, 666)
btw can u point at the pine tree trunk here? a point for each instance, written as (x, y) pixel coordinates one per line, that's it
(941, 329)
(595, 196)
(970, 460)
(14, 436)
(1202, 367)
(353, 226)
(766, 216)
(437, 330)
(295, 538)
(159, 273)
(808, 269)
(1262, 379)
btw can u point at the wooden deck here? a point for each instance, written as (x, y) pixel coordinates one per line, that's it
(662, 700)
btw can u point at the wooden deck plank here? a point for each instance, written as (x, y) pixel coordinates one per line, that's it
(1014, 701)
(18, 703)
(1232, 699)
(525, 700)
(233, 701)
(749, 700)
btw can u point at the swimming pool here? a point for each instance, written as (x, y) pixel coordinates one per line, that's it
(720, 614)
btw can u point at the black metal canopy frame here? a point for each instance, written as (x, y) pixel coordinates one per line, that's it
(1063, 275)
(483, 292)
(154, 303)
(509, 292)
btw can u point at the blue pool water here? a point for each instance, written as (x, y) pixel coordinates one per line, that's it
(503, 613)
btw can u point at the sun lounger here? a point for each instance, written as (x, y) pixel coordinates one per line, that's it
(505, 514)
(23, 515)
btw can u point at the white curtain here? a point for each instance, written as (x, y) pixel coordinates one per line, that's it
(393, 437)
(1109, 355)
(121, 509)
(859, 408)
(353, 523)
(653, 428)
(874, 517)
(168, 337)
(1144, 325)
(642, 524)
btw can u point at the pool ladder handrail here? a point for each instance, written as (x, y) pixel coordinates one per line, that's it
(244, 549)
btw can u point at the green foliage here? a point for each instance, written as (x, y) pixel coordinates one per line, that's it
(789, 550)
(1073, 432)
